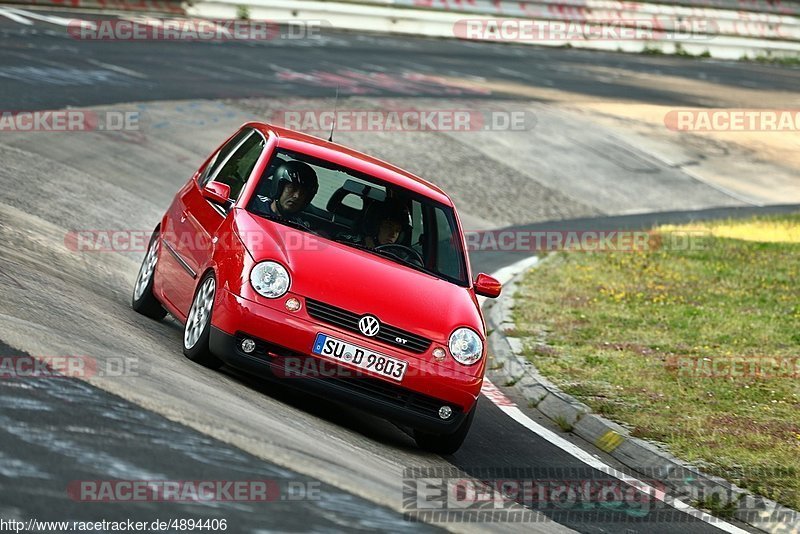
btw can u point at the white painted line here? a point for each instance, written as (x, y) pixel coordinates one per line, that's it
(15, 17)
(60, 21)
(505, 274)
(117, 68)
(510, 409)
(510, 271)
(509, 72)
(148, 21)
(37, 59)
(244, 72)
(519, 416)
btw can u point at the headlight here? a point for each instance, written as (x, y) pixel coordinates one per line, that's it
(465, 346)
(270, 279)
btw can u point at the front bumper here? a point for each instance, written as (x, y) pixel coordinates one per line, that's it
(283, 350)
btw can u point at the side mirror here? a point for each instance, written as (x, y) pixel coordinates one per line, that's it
(486, 286)
(217, 192)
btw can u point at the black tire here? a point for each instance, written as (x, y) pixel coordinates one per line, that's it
(448, 443)
(197, 328)
(142, 299)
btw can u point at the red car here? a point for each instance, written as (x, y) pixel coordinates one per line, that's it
(293, 257)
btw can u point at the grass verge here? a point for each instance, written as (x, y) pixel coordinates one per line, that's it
(784, 61)
(694, 345)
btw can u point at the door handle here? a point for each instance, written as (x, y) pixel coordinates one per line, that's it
(183, 216)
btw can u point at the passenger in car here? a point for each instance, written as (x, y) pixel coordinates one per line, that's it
(385, 230)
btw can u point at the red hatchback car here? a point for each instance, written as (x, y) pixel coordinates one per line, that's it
(293, 257)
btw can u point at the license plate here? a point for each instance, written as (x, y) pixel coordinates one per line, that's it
(337, 350)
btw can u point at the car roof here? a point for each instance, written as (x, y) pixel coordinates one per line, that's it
(352, 159)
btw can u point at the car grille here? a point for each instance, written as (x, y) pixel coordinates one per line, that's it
(353, 380)
(349, 321)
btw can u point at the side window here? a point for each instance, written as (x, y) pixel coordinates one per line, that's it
(220, 157)
(448, 254)
(416, 223)
(239, 166)
(329, 183)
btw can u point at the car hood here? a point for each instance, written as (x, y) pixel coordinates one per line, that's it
(359, 281)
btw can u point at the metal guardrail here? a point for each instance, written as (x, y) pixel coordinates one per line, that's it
(724, 33)
(728, 29)
(502, 7)
(155, 6)
(661, 16)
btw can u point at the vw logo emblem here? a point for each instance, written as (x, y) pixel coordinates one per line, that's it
(369, 325)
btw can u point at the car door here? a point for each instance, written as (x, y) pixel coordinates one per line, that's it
(194, 219)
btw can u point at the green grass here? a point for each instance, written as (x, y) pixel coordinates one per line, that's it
(638, 335)
(785, 61)
(680, 51)
(512, 381)
(651, 51)
(242, 12)
(715, 507)
(562, 423)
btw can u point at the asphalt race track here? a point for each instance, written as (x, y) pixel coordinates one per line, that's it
(165, 418)
(83, 71)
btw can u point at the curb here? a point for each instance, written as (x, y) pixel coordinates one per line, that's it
(636, 454)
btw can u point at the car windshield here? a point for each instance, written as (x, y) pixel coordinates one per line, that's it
(363, 212)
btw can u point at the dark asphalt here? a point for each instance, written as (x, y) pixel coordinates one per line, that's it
(57, 430)
(43, 67)
(490, 261)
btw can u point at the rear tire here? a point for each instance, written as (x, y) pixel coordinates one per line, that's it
(197, 329)
(143, 300)
(448, 443)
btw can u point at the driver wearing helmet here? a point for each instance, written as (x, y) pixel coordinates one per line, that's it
(296, 186)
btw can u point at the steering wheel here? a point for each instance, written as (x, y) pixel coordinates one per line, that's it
(403, 252)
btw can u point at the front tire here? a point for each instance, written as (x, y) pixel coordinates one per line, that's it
(448, 443)
(197, 329)
(143, 300)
